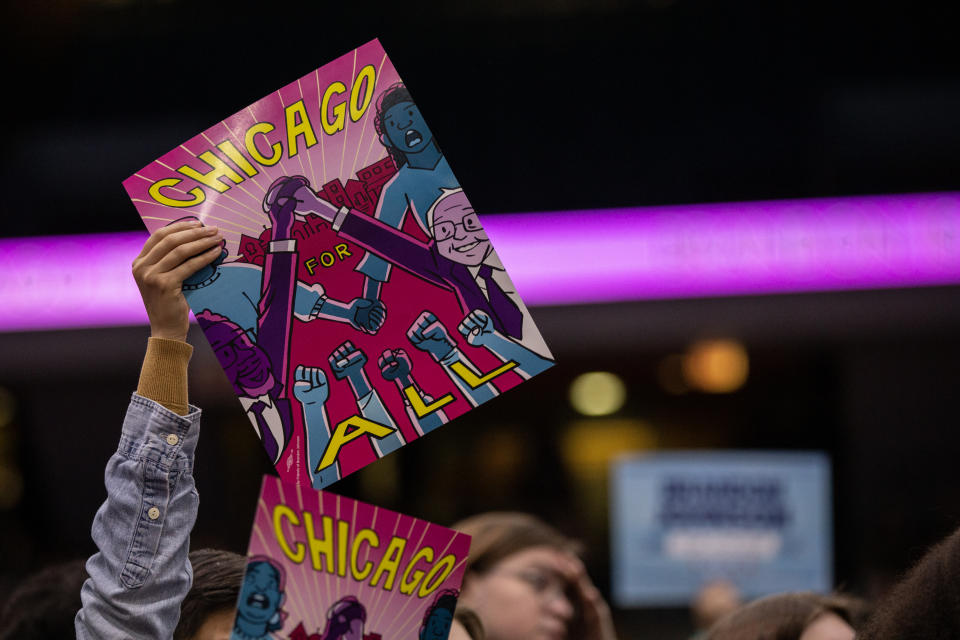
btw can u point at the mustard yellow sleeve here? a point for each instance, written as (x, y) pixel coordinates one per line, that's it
(163, 377)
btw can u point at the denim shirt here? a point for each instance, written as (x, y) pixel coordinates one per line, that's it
(141, 573)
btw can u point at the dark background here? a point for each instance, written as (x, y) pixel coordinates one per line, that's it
(540, 106)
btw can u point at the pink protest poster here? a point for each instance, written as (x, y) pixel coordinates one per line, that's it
(321, 566)
(358, 303)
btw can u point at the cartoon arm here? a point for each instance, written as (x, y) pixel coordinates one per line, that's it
(369, 233)
(311, 389)
(347, 361)
(428, 334)
(425, 414)
(477, 328)
(391, 210)
(278, 287)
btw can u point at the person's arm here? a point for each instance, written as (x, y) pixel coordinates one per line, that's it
(141, 572)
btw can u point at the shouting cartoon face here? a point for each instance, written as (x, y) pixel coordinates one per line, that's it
(405, 128)
(457, 230)
(261, 595)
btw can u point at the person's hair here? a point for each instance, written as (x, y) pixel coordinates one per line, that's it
(44, 604)
(217, 579)
(499, 534)
(784, 616)
(471, 623)
(392, 96)
(925, 604)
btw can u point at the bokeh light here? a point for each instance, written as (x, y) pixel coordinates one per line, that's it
(716, 366)
(598, 393)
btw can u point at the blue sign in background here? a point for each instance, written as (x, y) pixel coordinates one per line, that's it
(761, 520)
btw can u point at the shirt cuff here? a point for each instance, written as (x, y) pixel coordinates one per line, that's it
(339, 219)
(154, 433)
(163, 377)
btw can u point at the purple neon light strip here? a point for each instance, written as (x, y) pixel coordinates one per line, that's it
(575, 257)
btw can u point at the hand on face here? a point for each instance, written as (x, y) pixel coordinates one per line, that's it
(596, 621)
(525, 596)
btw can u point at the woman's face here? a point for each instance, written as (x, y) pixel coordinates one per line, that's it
(524, 596)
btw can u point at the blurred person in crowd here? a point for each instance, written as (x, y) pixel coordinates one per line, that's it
(44, 604)
(925, 605)
(792, 616)
(525, 580)
(466, 625)
(210, 606)
(714, 600)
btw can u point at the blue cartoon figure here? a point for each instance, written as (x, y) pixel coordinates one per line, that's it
(439, 616)
(259, 606)
(422, 175)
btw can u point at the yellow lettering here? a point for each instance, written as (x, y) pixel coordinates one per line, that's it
(218, 170)
(365, 78)
(298, 124)
(238, 158)
(406, 585)
(422, 409)
(327, 259)
(473, 380)
(446, 565)
(341, 437)
(249, 141)
(343, 250)
(283, 511)
(343, 532)
(338, 110)
(311, 265)
(157, 195)
(323, 546)
(389, 563)
(370, 537)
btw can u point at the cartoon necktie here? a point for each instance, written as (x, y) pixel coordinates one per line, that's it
(507, 316)
(269, 442)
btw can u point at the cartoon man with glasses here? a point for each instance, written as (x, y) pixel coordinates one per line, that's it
(460, 258)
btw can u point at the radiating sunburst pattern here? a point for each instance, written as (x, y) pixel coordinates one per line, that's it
(321, 126)
(238, 210)
(311, 592)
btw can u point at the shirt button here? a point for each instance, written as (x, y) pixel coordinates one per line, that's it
(172, 439)
(153, 513)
